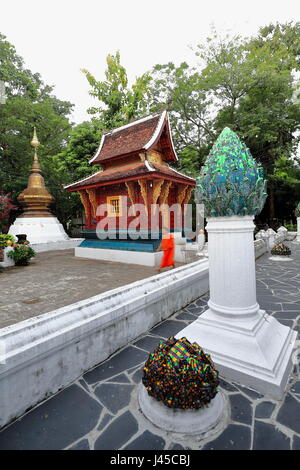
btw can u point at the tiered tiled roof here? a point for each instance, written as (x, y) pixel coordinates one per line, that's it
(131, 172)
(135, 137)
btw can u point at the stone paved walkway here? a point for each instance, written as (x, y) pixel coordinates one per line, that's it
(99, 411)
(57, 278)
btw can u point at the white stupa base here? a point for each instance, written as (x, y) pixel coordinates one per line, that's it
(280, 258)
(182, 421)
(254, 350)
(39, 229)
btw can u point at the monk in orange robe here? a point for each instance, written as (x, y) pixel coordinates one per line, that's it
(167, 245)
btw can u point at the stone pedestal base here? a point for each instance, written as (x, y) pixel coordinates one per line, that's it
(7, 262)
(246, 344)
(254, 351)
(39, 229)
(280, 258)
(182, 421)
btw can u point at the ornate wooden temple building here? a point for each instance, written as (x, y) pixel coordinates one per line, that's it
(135, 174)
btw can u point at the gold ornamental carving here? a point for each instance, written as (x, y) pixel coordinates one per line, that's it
(35, 198)
(188, 194)
(164, 193)
(131, 191)
(157, 184)
(154, 157)
(93, 200)
(143, 186)
(181, 193)
(85, 202)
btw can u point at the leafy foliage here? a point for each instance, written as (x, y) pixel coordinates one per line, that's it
(119, 103)
(4, 238)
(6, 207)
(21, 254)
(29, 103)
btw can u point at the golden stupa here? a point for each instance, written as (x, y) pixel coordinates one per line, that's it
(35, 198)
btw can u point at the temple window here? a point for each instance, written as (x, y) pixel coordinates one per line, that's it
(114, 206)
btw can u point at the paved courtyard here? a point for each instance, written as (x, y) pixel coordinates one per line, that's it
(99, 410)
(54, 279)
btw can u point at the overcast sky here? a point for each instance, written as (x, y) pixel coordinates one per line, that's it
(59, 37)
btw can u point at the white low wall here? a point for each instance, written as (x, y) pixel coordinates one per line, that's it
(60, 245)
(260, 248)
(143, 258)
(46, 353)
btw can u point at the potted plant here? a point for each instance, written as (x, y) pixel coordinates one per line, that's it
(21, 254)
(280, 252)
(22, 238)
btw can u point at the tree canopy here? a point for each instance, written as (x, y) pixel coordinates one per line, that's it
(247, 84)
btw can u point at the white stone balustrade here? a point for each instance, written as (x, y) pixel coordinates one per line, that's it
(298, 230)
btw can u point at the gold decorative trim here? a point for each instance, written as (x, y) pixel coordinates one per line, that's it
(131, 191)
(154, 157)
(181, 193)
(157, 184)
(164, 193)
(188, 195)
(93, 200)
(86, 203)
(143, 186)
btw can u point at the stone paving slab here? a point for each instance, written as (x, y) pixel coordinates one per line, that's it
(100, 410)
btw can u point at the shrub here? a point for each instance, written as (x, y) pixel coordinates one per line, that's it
(21, 254)
(5, 207)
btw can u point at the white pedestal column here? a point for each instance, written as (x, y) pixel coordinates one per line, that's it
(246, 344)
(298, 230)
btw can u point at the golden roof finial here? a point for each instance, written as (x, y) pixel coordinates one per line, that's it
(35, 142)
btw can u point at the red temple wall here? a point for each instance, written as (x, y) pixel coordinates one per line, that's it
(121, 190)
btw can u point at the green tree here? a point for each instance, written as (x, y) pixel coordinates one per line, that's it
(119, 102)
(29, 103)
(72, 165)
(246, 84)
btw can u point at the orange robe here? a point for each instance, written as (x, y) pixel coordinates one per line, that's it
(168, 247)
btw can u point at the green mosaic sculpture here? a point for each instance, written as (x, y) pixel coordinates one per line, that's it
(230, 182)
(297, 210)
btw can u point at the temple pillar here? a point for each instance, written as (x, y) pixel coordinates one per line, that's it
(86, 204)
(93, 201)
